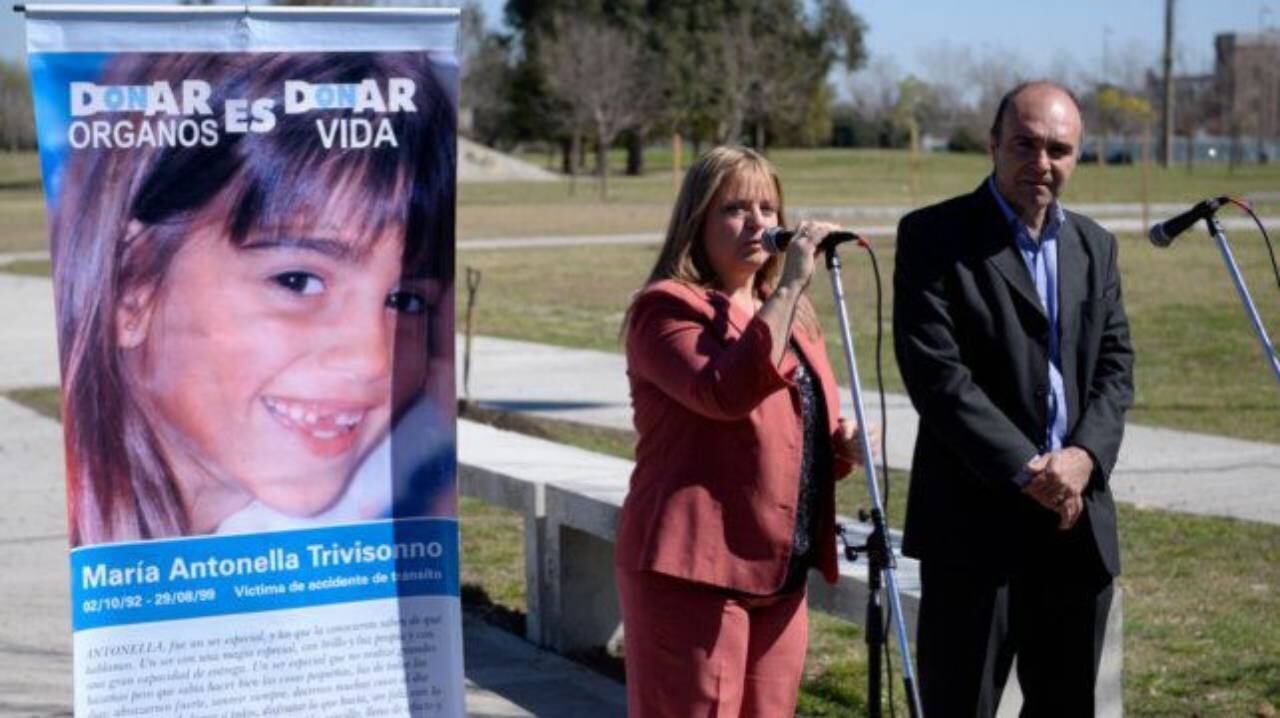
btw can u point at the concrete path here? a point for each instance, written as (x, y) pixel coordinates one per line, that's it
(28, 342)
(867, 223)
(1158, 468)
(878, 222)
(1157, 210)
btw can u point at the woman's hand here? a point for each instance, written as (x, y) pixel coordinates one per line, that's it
(798, 263)
(848, 442)
(797, 269)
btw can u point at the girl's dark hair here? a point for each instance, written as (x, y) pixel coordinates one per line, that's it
(123, 214)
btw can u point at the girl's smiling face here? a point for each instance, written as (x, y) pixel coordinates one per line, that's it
(265, 369)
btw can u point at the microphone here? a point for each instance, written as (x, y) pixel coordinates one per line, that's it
(776, 239)
(1162, 234)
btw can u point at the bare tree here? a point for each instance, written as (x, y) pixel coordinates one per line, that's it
(994, 74)
(874, 88)
(1129, 65)
(752, 87)
(600, 72)
(1064, 67)
(486, 77)
(17, 123)
(971, 84)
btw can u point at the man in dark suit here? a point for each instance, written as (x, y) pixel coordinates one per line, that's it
(1014, 346)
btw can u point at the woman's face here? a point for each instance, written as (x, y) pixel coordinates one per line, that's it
(266, 369)
(744, 207)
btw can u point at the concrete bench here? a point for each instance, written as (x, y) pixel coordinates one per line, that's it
(581, 526)
(571, 499)
(512, 471)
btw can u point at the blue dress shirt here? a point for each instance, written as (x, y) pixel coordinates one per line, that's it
(1041, 258)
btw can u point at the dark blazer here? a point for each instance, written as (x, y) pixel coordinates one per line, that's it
(972, 342)
(713, 495)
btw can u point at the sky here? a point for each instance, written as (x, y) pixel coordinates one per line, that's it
(917, 36)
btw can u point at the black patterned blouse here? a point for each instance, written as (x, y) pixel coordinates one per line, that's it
(815, 471)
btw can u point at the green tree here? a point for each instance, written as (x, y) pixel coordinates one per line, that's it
(756, 68)
(728, 69)
(1120, 112)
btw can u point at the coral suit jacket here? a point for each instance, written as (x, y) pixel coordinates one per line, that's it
(713, 495)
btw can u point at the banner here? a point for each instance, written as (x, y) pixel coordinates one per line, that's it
(252, 232)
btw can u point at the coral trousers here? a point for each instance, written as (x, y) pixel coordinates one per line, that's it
(699, 651)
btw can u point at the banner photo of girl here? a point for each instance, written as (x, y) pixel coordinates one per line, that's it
(254, 314)
(252, 246)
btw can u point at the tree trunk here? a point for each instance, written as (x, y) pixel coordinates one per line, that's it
(677, 161)
(760, 139)
(635, 153)
(602, 164)
(1146, 173)
(1191, 149)
(575, 147)
(566, 155)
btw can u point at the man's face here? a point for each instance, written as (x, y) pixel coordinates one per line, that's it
(1036, 151)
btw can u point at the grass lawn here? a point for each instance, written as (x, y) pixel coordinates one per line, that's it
(829, 177)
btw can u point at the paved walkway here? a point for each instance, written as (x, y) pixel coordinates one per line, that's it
(868, 224)
(1158, 468)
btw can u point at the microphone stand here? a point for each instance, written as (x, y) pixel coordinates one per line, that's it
(881, 562)
(1220, 237)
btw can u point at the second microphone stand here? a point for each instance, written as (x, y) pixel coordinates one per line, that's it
(881, 563)
(1220, 238)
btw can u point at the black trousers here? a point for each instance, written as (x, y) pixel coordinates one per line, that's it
(971, 624)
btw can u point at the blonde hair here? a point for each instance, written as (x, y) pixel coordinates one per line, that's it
(683, 257)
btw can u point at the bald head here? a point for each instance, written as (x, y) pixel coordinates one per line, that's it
(1040, 90)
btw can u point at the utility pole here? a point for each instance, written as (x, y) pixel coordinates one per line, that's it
(1106, 59)
(1166, 114)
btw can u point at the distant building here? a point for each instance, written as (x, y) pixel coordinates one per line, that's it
(1247, 75)
(1232, 113)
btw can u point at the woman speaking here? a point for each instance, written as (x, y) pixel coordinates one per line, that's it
(740, 442)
